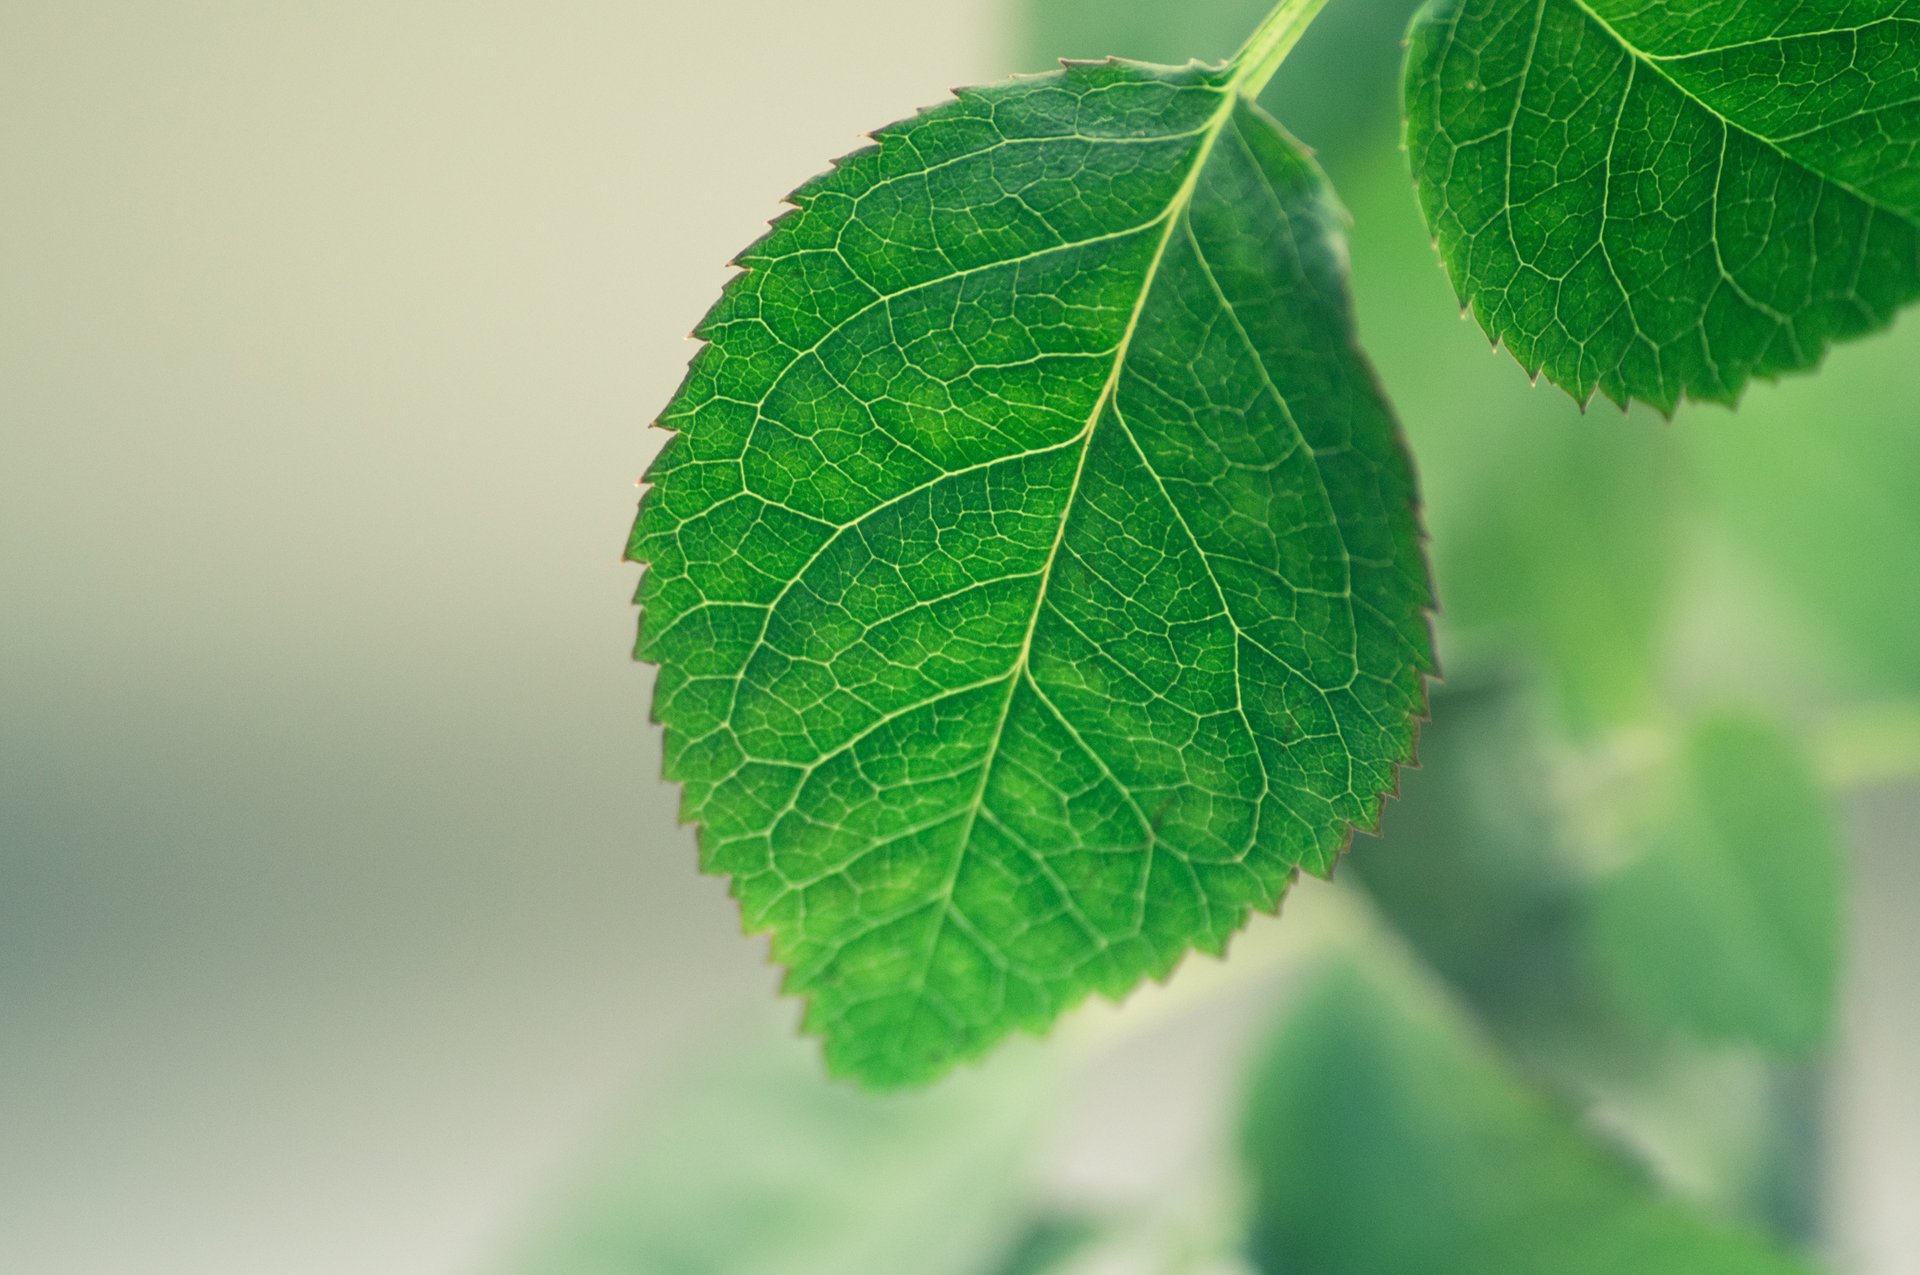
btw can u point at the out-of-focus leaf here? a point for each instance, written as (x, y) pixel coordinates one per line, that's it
(1471, 872)
(1050, 1245)
(1385, 1138)
(1726, 924)
(1125, 1247)
(1491, 883)
(1662, 200)
(1035, 573)
(1566, 564)
(755, 1164)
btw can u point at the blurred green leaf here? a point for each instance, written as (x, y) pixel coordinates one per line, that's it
(1144, 1243)
(1385, 1138)
(1470, 870)
(1051, 1244)
(754, 1164)
(1485, 874)
(1657, 201)
(1726, 924)
(1566, 562)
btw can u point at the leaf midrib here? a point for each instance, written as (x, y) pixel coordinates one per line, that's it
(1176, 208)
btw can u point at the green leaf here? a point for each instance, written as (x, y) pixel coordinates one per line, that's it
(1385, 1137)
(1471, 873)
(752, 1162)
(1668, 199)
(1035, 575)
(1727, 924)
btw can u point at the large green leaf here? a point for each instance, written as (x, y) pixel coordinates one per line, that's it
(1385, 1137)
(1652, 200)
(1727, 923)
(1034, 575)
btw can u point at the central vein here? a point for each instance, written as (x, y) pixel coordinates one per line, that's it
(1249, 72)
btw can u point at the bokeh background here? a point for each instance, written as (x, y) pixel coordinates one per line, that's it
(343, 923)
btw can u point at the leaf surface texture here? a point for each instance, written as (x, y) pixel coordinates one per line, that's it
(1034, 574)
(1668, 199)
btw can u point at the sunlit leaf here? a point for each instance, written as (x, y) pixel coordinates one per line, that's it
(1662, 200)
(1034, 574)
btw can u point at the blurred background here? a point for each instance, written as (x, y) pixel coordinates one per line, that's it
(344, 924)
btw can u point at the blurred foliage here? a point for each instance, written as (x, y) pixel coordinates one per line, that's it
(1050, 1244)
(1384, 1137)
(1487, 869)
(1473, 870)
(754, 1161)
(1725, 923)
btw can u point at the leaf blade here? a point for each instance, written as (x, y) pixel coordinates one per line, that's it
(1012, 620)
(1641, 212)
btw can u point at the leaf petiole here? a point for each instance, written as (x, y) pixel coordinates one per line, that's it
(1270, 43)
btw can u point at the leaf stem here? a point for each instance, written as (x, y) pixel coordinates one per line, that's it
(1270, 43)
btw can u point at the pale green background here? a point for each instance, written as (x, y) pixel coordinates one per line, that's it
(338, 898)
